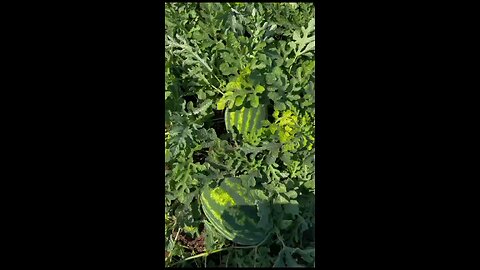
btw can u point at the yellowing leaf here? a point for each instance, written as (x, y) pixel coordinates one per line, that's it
(259, 89)
(221, 104)
(239, 100)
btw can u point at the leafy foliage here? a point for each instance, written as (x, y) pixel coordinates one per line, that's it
(223, 58)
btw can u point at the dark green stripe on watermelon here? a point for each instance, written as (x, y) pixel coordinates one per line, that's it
(234, 222)
(237, 117)
(260, 116)
(252, 114)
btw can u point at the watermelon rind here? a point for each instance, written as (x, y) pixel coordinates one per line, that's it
(232, 210)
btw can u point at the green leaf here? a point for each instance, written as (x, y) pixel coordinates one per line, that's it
(305, 42)
(260, 46)
(259, 66)
(270, 78)
(210, 236)
(201, 95)
(310, 184)
(259, 89)
(239, 100)
(289, 260)
(254, 100)
(227, 70)
(203, 107)
(247, 181)
(296, 35)
(284, 224)
(167, 94)
(280, 106)
(210, 93)
(308, 255)
(190, 106)
(289, 62)
(292, 194)
(274, 96)
(293, 97)
(291, 209)
(280, 262)
(281, 188)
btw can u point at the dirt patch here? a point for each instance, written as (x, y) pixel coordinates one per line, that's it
(197, 244)
(219, 124)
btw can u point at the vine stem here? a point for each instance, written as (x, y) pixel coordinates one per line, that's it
(216, 77)
(226, 263)
(290, 69)
(214, 87)
(280, 238)
(170, 257)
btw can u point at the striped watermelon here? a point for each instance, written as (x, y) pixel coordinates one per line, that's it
(233, 211)
(247, 120)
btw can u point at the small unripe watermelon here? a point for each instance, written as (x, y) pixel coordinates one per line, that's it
(234, 212)
(247, 120)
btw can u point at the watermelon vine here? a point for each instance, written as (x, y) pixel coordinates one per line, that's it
(239, 134)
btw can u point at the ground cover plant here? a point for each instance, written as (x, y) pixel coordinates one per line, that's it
(239, 134)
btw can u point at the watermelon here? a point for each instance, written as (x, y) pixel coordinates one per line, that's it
(247, 120)
(233, 210)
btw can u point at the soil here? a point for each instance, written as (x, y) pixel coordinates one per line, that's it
(199, 156)
(219, 126)
(197, 244)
